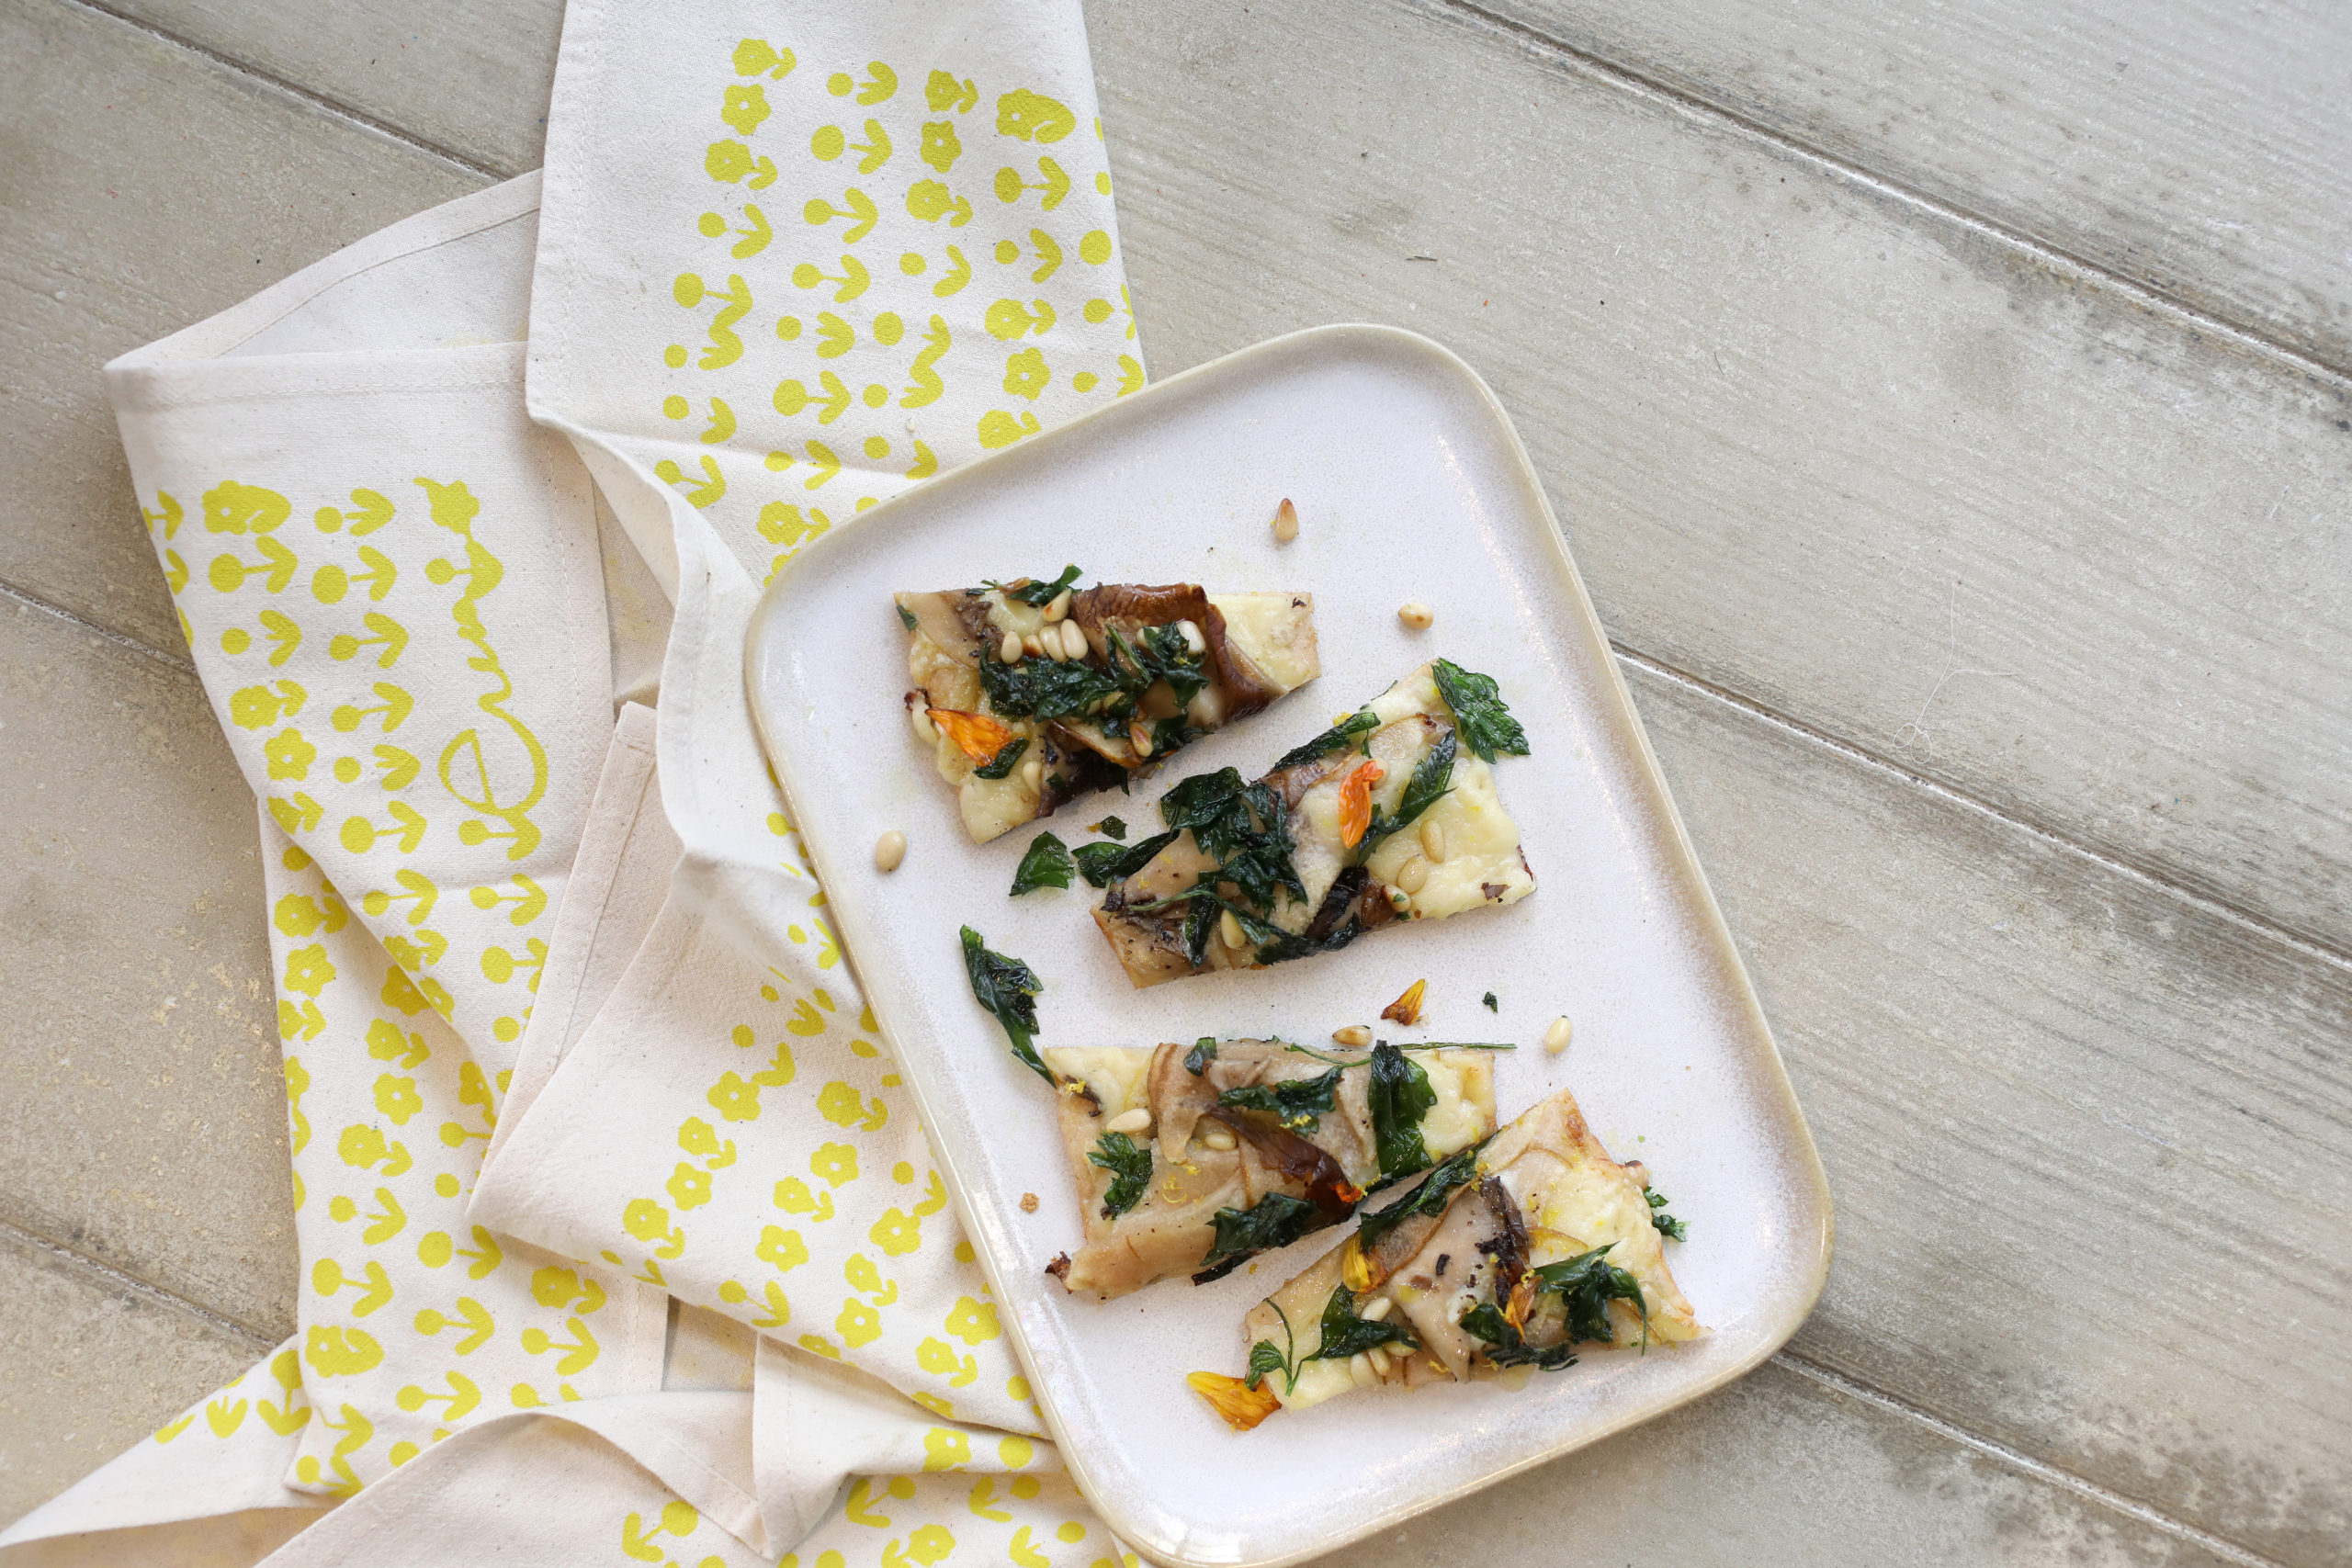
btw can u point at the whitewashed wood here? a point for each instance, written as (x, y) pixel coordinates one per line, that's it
(147, 187)
(2200, 147)
(87, 1367)
(467, 76)
(142, 1109)
(1894, 477)
(2089, 1143)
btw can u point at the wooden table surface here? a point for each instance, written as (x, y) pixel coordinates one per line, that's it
(1950, 408)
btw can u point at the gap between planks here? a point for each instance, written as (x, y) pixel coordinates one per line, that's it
(2017, 1459)
(113, 1279)
(334, 107)
(1630, 79)
(24, 601)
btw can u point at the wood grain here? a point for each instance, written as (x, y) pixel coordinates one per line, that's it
(2199, 147)
(144, 188)
(1891, 475)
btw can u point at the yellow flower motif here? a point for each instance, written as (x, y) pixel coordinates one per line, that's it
(397, 1097)
(697, 1137)
(744, 109)
(307, 969)
(646, 1220)
(782, 1247)
(290, 755)
(401, 992)
(935, 1357)
(734, 1098)
(1025, 114)
(837, 1163)
(943, 1448)
(689, 1186)
(360, 1145)
(339, 1352)
(859, 1324)
(1025, 374)
(728, 161)
(897, 1233)
(972, 1321)
(940, 147)
(839, 1103)
(929, 1543)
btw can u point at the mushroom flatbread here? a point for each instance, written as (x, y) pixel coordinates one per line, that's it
(1032, 692)
(1191, 1159)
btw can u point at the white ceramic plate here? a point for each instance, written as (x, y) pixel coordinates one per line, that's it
(1410, 484)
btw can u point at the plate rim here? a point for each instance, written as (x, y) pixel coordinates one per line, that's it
(1807, 1174)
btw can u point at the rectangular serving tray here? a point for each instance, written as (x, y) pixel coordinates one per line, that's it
(1410, 484)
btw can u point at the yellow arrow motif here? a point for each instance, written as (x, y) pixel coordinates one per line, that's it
(835, 336)
(791, 397)
(877, 148)
(1055, 184)
(170, 516)
(853, 280)
(702, 493)
(400, 768)
(224, 1417)
(755, 238)
(276, 569)
(297, 816)
(1049, 255)
(880, 84)
(529, 903)
(459, 1402)
(722, 423)
(579, 1351)
(957, 275)
(926, 463)
(285, 636)
(390, 1221)
(856, 206)
(394, 703)
(371, 511)
(359, 836)
(388, 635)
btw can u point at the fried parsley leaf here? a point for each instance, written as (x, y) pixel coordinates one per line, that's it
(1489, 999)
(1667, 1225)
(1399, 1095)
(1043, 688)
(1038, 592)
(1130, 1168)
(1586, 1284)
(1007, 755)
(1456, 1170)
(1504, 1346)
(1008, 989)
(1111, 828)
(906, 618)
(1243, 827)
(1047, 864)
(1345, 1334)
(1197, 1059)
(1276, 1220)
(1478, 711)
(1345, 733)
(1433, 778)
(1295, 1103)
(1264, 1361)
(1102, 864)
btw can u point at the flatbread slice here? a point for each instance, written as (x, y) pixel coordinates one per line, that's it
(1228, 1148)
(1151, 669)
(1507, 1255)
(1391, 814)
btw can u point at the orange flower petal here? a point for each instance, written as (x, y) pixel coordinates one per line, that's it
(976, 735)
(1355, 803)
(1407, 1009)
(1241, 1405)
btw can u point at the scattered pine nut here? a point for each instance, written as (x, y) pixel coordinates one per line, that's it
(1230, 927)
(1555, 1039)
(1286, 522)
(1353, 1034)
(1059, 606)
(1414, 874)
(1221, 1139)
(1433, 841)
(1074, 645)
(1028, 1203)
(1009, 651)
(1378, 1311)
(1379, 1356)
(1416, 616)
(1359, 1370)
(889, 850)
(1194, 643)
(1134, 1121)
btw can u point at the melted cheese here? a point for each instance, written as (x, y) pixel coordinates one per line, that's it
(1115, 1073)
(1277, 631)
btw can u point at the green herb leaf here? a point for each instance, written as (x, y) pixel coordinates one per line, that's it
(1399, 1095)
(1276, 1220)
(1345, 1334)
(1006, 987)
(1456, 1170)
(1102, 864)
(1197, 1059)
(1345, 733)
(1243, 827)
(1667, 1225)
(906, 618)
(1587, 1283)
(1490, 1003)
(1044, 688)
(1504, 1346)
(1478, 711)
(1038, 592)
(1130, 1168)
(1292, 1103)
(1111, 828)
(1001, 764)
(1432, 777)
(1264, 1361)
(1047, 864)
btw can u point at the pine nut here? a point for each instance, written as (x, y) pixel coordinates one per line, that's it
(1359, 1370)
(1417, 615)
(889, 850)
(1433, 839)
(1399, 900)
(1286, 522)
(1074, 645)
(1207, 707)
(1009, 651)
(1032, 771)
(1221, 1139)
(1378, 1354)
(1378, 1311)
(1414, 874)
(1229, 927)
(1194, 643)
(1134, 1121)
(1058, 606)
(926, 732)
(1555, 1039)
(1353, 1034)
(1139, 738)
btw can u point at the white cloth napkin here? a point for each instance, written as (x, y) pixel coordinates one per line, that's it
(503, 933)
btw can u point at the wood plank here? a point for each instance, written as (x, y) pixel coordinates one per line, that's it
(146, 187)
(142, 1108)
(467, 76)
(88, 1367)
(1781, 1469)
(2091, 1146)
(2199, 147)
(1896, 478)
